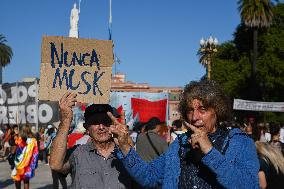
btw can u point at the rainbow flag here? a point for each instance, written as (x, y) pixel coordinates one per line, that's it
(26, 159)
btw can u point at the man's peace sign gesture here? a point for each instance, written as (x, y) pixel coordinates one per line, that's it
(120, 133)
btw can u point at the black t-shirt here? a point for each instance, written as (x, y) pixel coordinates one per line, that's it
(274, 180)
(194, 174)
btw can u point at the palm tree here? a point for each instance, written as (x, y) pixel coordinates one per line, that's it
(204, 57)
(255, 14)
(6, 54)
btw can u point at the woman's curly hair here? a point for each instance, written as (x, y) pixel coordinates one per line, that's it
(211, 95)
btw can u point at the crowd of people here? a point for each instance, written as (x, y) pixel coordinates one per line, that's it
(205, 148)
(269, 141)
(23, 147)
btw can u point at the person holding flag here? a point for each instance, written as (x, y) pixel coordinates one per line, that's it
(26, 157)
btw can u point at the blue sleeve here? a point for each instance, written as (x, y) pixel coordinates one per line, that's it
(146, 174)
(239, 167)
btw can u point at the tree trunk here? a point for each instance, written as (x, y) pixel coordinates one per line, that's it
(209, 67)
(253, 86)
(1, 69)
(254, 52)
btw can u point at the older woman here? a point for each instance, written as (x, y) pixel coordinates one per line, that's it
(271, 173)
(209, 156)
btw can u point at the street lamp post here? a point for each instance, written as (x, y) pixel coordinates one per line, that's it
(207, 48)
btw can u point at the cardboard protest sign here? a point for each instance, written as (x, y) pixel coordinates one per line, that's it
(82, 66)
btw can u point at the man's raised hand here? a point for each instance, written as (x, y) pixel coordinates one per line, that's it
(66, 103)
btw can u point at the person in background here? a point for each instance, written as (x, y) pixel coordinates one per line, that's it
(207, 156)
(282, 133)
(26, 158)
(133, 135)
(12, 142)
(6, 138)
(252, 129)
(265, 136)
(163, 131)
(1, 144)
(42, 153)
(57, 177)
(271, 172)
(48, 138)
(176, 129)
(150, 144)
(34, 130)
(1, 134)
(137, 129)
(275, 136)
(249, 130)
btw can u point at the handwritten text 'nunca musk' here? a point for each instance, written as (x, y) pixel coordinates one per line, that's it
(63, 77)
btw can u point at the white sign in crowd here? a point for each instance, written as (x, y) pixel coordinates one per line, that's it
(248, 105)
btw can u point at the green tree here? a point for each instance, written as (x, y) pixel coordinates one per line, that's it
(271, 60)
(204, 58)
(231, 70)
(6, 54)
(255, 14)
(232, 66)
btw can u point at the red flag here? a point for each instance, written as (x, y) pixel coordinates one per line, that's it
(119, 111)
(148, 109)
(72, 138)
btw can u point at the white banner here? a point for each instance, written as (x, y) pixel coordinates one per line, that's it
(240, 104)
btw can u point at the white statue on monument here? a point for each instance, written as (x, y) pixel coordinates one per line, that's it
(74, 19)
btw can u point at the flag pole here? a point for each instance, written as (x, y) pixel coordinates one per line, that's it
(110, 21)
(79, 6)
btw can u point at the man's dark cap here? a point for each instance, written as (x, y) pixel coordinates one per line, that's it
(96, 114)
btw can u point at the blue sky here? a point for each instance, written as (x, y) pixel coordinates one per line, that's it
(156, 40)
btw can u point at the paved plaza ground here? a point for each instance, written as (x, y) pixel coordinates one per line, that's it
(42, 179)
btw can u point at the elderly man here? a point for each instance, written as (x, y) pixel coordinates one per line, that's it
(92, 165)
